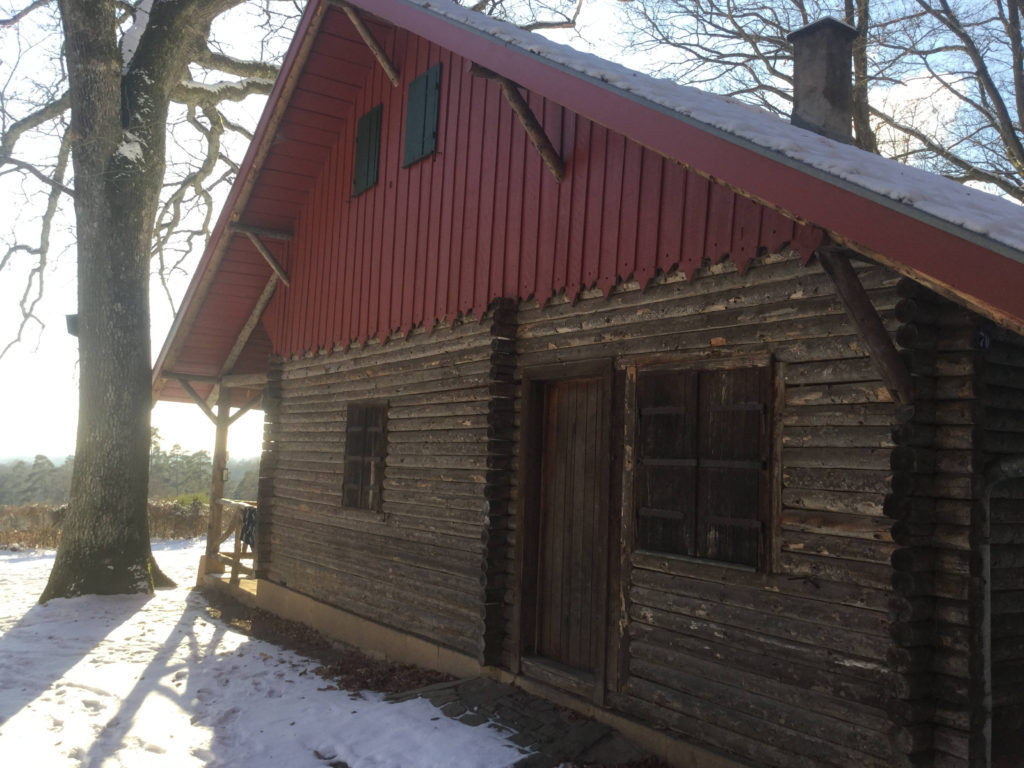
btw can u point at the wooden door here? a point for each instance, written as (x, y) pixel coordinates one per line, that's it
(572, 548)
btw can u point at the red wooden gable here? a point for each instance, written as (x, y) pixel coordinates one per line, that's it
(483, 218)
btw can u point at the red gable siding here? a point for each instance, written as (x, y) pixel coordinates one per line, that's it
(483, 217)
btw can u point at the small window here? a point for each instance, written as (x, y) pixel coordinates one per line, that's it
(421, 117)
(365, 436)
(701, 473)
(367, 160)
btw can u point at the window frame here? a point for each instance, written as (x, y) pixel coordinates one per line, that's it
(371, 495)
(769, 476)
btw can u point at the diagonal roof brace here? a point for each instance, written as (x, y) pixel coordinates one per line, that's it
(265, 253)
(371, 42)
(529, 120)
(836, 263)
(243, 337)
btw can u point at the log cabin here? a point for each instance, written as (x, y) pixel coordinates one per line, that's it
(701, 422)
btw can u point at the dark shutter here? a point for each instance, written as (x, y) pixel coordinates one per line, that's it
(667, 466)
(367, 160)
(702, 453)
(365, 441)
(733, 460)
(421, 116)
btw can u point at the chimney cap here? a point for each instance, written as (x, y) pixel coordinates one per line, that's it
(830, 22)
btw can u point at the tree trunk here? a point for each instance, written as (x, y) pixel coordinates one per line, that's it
(118, 166)
(858, 15)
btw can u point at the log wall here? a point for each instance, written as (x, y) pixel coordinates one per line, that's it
(419, 565)
(1002, 379)
(776, 669)
(936, 502)
(860, 644)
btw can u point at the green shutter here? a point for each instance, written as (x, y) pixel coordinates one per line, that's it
(421, 116)
(367, 160)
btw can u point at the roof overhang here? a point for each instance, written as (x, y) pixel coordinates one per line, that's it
(982, 271)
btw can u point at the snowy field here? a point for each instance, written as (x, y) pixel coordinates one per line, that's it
(137, 682)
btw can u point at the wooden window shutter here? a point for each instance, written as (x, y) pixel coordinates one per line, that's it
(367, 159)
(667, 461)
(421, 116)
(702, 456)
(733, 459)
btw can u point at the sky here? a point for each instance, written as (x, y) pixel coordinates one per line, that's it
(137, 680)
(38, 377)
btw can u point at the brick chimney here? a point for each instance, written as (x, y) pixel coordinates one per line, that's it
(822, 87)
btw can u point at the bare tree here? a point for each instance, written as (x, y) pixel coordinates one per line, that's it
(85, 104)
(118, 113)
(938, 83)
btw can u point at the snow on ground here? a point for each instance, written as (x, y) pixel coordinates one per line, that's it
(137, 682)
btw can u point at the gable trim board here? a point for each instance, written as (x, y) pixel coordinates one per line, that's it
(508, 353)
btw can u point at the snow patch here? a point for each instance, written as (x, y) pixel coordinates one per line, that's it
(130, 148)
(131, 38)
(151, 680)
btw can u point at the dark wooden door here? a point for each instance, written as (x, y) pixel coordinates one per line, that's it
(571, 558)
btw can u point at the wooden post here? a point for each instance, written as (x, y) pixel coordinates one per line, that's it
(220, 466)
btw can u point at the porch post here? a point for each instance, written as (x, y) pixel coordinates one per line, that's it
(220, 465)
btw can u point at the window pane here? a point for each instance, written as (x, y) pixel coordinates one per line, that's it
(365, 446)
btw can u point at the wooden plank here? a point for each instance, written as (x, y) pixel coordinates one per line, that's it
(577, 223)
(615, 150)
(674, 206)
(474, 161)
(483, 249)
(560, 242)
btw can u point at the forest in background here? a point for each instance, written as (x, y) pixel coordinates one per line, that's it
(173, 475)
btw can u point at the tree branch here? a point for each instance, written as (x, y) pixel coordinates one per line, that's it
(35, 284)
(232, 66)
(47, 112)
(19, 15)
(29, 168)
(194, 93)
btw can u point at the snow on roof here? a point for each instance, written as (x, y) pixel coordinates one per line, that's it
(926, 193)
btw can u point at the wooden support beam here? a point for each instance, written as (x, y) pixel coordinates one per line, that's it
(266, 254)
(269, 234)
(234, 380)
(220, 467)
(529, 121)
(371, 42)
(196, 398)
(245, 408)
(861, 312)
(243, 337)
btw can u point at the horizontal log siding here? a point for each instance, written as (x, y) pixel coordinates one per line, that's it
(935, 501)
(482, 218)
(419, 565)
(1003, 381)
(781, 669)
